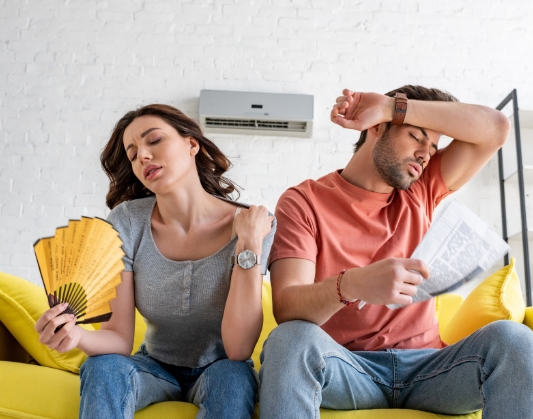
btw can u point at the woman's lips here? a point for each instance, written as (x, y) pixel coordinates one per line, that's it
(151, 171)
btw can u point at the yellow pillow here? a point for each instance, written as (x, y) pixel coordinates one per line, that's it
(21, 305)
(269, 323)
(445, 308)
(498, 297)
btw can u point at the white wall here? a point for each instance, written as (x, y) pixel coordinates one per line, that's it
(70, 68)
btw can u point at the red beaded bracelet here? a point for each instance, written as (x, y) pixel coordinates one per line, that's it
(342, 300)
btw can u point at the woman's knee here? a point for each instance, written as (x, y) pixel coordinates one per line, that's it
(229, 373)
(226, 383)
(104, 364)
(105, 368)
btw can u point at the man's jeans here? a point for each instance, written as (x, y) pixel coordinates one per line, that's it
(115, 386)
(304, 368)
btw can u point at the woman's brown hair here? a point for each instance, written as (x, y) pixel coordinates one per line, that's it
(211, 163)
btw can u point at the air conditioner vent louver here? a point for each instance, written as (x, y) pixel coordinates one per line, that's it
(292, 126)
(255, 113)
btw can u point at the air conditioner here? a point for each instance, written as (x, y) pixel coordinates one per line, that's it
(288, 115)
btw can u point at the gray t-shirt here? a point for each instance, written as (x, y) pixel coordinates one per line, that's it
(182, 302)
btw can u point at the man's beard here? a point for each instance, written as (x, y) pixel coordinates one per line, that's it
(390, 169)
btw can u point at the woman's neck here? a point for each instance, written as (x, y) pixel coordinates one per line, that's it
(186, 208)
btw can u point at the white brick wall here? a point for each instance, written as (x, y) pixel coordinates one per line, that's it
(70, 69)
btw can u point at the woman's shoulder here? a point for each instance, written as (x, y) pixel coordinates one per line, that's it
(135, 207)
(130, 214)
(240, 204)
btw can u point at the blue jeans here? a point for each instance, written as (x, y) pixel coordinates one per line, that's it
(115, 386)
(303, 368)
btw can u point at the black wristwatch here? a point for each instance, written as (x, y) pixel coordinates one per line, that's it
(246, 259)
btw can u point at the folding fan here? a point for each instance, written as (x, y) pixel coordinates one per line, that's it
(81, 265)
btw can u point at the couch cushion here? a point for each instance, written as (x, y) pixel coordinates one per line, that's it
(390, 414)
(498, 297)
(21, 305)
(32, 391)
(36, 392)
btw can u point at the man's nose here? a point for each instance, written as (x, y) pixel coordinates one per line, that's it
(422, 153)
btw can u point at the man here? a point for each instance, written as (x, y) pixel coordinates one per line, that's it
(347, 238)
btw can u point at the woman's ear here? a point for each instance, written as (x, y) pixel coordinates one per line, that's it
(194, 146)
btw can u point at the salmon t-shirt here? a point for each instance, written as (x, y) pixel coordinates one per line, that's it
(339, 226)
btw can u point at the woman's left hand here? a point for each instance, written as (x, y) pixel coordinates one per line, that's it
(253, 224)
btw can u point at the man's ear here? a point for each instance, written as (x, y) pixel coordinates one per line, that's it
(373, 133)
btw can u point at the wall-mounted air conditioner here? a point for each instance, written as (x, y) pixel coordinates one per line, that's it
(289, 115)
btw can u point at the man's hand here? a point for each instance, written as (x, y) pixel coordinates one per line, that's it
(389, 281)
(360, 111)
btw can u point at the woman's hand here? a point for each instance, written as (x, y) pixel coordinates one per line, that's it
(252, 225)
(67, 337)
(360, 111)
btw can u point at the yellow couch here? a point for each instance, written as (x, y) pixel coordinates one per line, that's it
(29, 390)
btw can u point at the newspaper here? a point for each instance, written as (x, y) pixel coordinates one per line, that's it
(458, 247)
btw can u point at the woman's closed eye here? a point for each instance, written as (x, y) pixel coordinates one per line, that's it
(151, 142)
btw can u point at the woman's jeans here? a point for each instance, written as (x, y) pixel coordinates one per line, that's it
(304, 368)
(115, 386)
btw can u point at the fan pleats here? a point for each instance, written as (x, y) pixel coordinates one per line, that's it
(81, 265)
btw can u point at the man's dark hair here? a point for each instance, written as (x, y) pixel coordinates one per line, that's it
(415, 93)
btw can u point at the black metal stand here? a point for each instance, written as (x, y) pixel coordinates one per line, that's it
(520, 172)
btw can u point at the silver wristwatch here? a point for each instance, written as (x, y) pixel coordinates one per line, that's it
(246, 259)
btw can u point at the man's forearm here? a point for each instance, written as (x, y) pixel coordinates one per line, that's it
(475, 124)
(315, 303)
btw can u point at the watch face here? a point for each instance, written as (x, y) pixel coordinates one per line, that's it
(246, 259)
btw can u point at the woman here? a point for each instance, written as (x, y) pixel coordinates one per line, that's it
(181, 233)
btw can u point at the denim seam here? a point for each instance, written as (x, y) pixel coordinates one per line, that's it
(395, 391)
(318, 390)
(481, 388)
(128, 393)
(206, 390)
(334, 354)
(442, 370)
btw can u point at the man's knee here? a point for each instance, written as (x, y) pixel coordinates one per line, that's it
(293, 335)
(296, 342)
(509, 338)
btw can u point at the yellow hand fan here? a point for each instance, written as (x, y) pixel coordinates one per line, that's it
(81, 265)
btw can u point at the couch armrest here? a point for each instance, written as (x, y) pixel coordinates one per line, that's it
(528, 320)
(10, 349)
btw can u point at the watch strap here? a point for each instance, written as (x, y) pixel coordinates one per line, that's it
(400, 108)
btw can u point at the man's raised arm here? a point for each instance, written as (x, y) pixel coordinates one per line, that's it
(478, 131)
